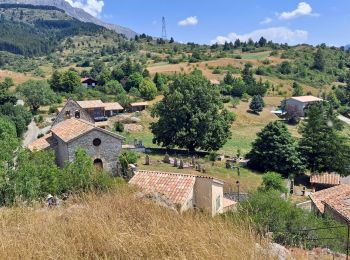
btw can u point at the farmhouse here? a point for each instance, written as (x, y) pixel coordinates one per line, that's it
(88, 82)
(69, 135)
(185, 191)
(93, 111)
(333, 201)
(324, 181)
(298, 104)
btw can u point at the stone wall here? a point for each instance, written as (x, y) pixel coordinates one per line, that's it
(69, 111)
(108, 151)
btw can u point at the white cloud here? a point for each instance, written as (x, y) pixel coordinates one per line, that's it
(192, 20)
(303, 9)
(267, 20)
(93, 7)
(275, 34)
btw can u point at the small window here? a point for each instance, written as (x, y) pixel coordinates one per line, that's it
(97, 142)
(67, 113)
(77, 114)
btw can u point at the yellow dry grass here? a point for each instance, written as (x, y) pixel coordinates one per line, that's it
(119, 225)
(17, 77)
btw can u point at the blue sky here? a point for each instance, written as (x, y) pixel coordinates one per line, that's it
(201, 21)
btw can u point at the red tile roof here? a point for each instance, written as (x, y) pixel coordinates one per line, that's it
(333, 195)
(340, 203)
(139, 104)
(42, 143)
(113, 106)
(71, 129)
(176, 187)
(325, 178)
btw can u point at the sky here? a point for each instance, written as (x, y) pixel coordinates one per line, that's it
(207, 22)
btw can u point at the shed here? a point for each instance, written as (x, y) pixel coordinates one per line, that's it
(112, 109)
(138, 106)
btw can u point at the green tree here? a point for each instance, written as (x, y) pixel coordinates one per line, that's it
(148, 89)
(18, 115)
(70, 81)
(285, 68)
(321, 145)
(333, 100)
(247, 75)
(8, 139)
(191, 115)
(297, 89)
(257, 104)
(273, 181)
(319, 60)
(133, 81)
(37, 93)
(159, 81)
(112, 87)
(275, 149)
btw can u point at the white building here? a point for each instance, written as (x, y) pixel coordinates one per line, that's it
(299, 104)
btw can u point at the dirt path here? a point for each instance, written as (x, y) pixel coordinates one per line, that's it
(344, 119)
(32, 133)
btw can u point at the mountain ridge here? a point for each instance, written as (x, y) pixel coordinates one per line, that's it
(77, 13)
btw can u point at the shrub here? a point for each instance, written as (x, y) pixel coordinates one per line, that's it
(119, 127)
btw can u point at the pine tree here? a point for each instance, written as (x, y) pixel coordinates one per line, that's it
(321, 145)
(257, 104)
(319, 60)
(275, 150)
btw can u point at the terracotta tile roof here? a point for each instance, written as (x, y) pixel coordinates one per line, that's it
(139, 104)
(305, 99)
(71, 128)
(176, 187)
(91, 104)
(42, 143)
(329, 195)
(113, 106)
(340, 203)
(325, 178)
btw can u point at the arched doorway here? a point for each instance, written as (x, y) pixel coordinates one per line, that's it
(98, 164)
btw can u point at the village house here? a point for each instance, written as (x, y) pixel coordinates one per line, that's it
(185, 191)
(334, 202)
(299, 104)
(138, 106)
(113, 109)
(94, 111)
(88, 82)
(67, 136)
(324, 181)
(95, 108)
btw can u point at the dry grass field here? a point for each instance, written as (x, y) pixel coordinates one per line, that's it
(119, 225)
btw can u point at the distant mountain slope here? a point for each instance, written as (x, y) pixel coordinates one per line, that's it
(76, 13)
(347, 47)
(37, 30)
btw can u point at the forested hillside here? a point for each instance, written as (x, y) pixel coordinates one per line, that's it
(37, 30)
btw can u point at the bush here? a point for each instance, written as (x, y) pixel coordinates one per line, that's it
(119, 127)
(226, 99)
(344, 110)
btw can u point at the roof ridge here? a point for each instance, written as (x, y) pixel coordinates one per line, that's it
(181, 174)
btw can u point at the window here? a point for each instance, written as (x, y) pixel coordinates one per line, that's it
(77, 114)
(218, 202)
(97, 142)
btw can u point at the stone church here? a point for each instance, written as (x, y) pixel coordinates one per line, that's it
(73, 129)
